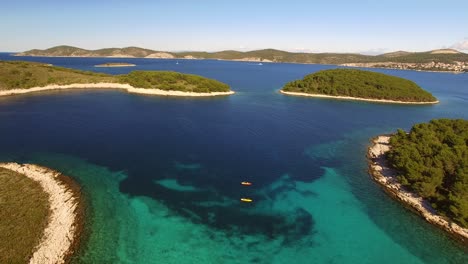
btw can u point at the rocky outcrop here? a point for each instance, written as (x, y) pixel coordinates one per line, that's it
(160, 55)
(118, 86)
(386, 177)
(115, 64)
(253, 59)
(445, 51)
(356, 98)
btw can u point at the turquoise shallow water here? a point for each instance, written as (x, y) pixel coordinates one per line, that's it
(126, 229)
(161, 175)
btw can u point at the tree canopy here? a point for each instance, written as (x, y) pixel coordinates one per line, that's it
(432, 160)
(360, 84)
(165, 80)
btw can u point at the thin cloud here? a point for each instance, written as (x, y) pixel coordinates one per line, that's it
(377, 51)
(462, 45)
(303, 50)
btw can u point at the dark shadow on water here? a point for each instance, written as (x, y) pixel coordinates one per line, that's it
(228, 213)
(208, 191)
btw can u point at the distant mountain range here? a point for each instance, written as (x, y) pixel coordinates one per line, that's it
(438, 60)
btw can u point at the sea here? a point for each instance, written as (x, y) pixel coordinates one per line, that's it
(161, 175)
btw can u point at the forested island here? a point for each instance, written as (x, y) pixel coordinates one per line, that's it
(447, 60)
(359, 85)
(21, 77)
(427, 169)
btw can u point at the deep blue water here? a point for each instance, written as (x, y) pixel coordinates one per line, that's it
(162, 174)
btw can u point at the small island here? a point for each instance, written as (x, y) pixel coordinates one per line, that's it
(427, 170)
(42, 215)
(352, 84)
(114, 64)
(19, 77)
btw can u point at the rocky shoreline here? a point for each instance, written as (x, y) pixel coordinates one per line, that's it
(61, 237)
(386, 178)
(126, 87)
(356, 98)
(114, 65)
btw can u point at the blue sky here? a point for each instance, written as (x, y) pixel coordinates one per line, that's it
(293, 25)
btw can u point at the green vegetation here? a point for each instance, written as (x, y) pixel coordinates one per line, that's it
(24, 214)
(173, 81)
(432, 160)
(19, 74)
(361, 84)
(77, 52)
(22, 75)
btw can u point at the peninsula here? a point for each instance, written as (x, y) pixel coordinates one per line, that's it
(445, 60)
(351, 84)
(115, 64)
(18, 77)
(42, 215)
(427, 170)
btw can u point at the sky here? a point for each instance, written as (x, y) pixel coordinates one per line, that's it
(368, 27)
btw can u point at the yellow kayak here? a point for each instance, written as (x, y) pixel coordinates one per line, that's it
(246, 200)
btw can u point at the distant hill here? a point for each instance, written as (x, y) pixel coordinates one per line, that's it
(69, 51)
(444, 56)
(395, 54)
(359, 84)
